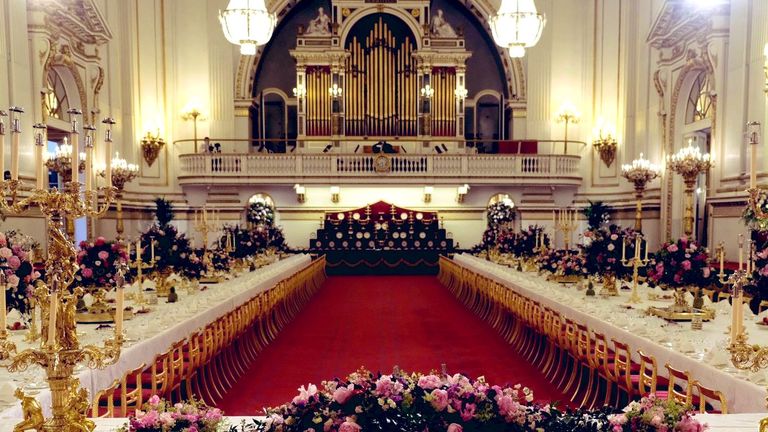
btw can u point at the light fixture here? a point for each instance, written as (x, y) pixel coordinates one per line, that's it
(335, 91)
(461, 92)
(567, 113)
(517, 26)
(300, 193)
(299, 91)
(689, 162)
(61, 161)
(192, 111)
(335, 190)
(462, 192)
(428, 190)
(604, 141)
(639, 173)
(427, 91)
(122, 173)
(151, 146)
(247, 23)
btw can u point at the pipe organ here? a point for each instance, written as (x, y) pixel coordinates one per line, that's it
(381, 61)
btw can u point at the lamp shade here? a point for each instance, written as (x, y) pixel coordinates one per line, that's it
(517, 26)
(247, 23)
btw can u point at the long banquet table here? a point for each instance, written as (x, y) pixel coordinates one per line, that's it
(702, 352)
(152, 333)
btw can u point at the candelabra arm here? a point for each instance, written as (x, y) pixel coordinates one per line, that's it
(93, 196)
(9, 189)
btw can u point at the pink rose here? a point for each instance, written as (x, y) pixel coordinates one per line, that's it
(100, 241)
(13, 280)
(349, 426)
(455, 427)
(672, 248)
(103, 255)
(154, 400)
(342, 394)
(468, 412)
(305, 394)
(14, 262)
(87, 272)
(5, 253)
(439, 399)
(686, 265)
(3, 240)
(429, 382)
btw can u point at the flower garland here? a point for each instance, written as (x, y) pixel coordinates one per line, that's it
(500, 213)
(162, 416)
(680, 263)
(603, 249)
(454, 403)
(260, 213)
(15, 249)
(98, 262)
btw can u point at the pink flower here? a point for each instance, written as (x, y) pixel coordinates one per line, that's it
(305, 394)
(455, 427)
(14, 262)
(103, 255)
(100, 241)
(468, 412)
(439, 399)
(349, 426)
(672, 248)
(87, 272)
(686, 265)
(342, 394)
(706, 271)
(429, 382)
(13, 281)
(5, 253)
(3, 240)
(614, 237)
(154, 400)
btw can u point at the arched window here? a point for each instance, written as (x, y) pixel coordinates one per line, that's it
(55, 101)
(700, 99)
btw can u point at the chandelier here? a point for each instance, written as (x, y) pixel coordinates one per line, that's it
(517, 26)
(689, 162)
(247, 23)
(640, 172)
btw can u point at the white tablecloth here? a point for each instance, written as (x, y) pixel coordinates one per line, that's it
(717, 423)
(702, 352)
(156, 331)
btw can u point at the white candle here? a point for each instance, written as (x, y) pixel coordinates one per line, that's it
(15, 133)
(2, 145)
(741, 252)
(108, 152)
(3, 318)
(88, 168)
(152, 250)
(554, 221)
(39, 162)
(623, 249)
(138, 249)
(753, 166)
(52, 311)
(722, 258)
(120, 310)
(75, 156)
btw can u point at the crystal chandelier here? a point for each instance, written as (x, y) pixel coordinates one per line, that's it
(517, 26)
(247, 23)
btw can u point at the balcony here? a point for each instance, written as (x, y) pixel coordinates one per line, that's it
(447, 168)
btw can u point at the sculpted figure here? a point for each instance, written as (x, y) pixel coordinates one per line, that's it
(319, 26)
(441, 28)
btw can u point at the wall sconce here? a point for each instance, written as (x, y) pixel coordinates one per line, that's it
(151, 146)
(569, 115)
(428, 194)
(335, 91)
(461, 92)
(604, 142)
(427, 91)
(335, 194)
(300, 193)
(299, 91)
(462, 192)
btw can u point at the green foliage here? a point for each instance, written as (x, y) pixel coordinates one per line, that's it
(597, 214)
(163, 212)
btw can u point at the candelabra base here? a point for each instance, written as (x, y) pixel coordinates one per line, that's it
(609, 286)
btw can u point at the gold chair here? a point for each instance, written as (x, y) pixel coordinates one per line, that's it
(103, 404)
(130, 392)
(708, 397)
(649, 381)
(680, 385)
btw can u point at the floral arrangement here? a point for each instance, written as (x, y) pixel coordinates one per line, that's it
(193, 268)
(526, 240)
(603, 249)
(446, 403)
(277, 238)
(680, 263)
(757, 287)
(15, 262)
(597, 214)
(750, 218)
(260, 213)
(161, 416)
(220, 259)
(246, 242)
(500, 213)
(172, 250)
(562, 262)
(98, 263)
(655, 414)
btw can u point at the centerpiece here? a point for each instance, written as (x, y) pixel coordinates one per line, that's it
(603, 251)
(17, 270)
(563, 266)
(98, 264)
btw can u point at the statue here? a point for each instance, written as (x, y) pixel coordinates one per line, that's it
(441, 28)
(33, 414)
(77, 406)
(320, 26)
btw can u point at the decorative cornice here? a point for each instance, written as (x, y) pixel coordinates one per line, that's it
(79, 18)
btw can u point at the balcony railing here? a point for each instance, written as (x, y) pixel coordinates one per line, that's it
(233, 168)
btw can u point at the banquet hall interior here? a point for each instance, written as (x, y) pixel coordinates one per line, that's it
(383, 215)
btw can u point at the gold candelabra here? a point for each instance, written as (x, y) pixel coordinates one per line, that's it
(121, 172)
(636, 262)
(569, 115)
(689, 162)
(140, 266)
(205, 222)
(564, 221)
(59, 350)
(639, 173)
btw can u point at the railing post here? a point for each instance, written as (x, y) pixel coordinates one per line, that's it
(334, 163)
(464, 164)
(299, 164)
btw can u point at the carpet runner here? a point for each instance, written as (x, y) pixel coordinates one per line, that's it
(379, 322)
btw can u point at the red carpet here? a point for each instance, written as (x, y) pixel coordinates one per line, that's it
(379, 322)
